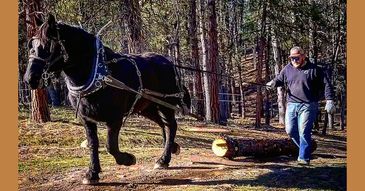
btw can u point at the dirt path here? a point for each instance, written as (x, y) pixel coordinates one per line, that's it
(50, 158)
(199, 169)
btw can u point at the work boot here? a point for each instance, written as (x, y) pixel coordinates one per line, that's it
(303, 162)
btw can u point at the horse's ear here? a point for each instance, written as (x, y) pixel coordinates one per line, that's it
(51, 29)
(51, 21)
(38, 20)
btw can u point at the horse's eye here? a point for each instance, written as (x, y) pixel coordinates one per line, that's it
(32, 51)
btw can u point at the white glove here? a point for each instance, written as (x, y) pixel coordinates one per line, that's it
(270, 85)
(330, 107)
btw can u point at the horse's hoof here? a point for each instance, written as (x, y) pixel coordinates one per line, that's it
(86, 181)
(161, 166)
(126, 159)
(131, 160)
(176, 149)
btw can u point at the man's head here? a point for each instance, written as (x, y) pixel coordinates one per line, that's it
(297, 56)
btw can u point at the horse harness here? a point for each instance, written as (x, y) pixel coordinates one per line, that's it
(142, 92)
(101, 77)
(48, 62)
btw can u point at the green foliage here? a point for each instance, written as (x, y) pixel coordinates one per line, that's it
(318, 26)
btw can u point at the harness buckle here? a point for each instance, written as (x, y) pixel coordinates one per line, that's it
(106, 79)
(45, 76)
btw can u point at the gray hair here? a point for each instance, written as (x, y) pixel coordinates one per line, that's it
(297, 48)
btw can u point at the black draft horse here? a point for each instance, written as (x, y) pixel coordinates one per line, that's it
(80, 55)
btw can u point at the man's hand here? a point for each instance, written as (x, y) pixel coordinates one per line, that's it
(270, 85)
(330, 107)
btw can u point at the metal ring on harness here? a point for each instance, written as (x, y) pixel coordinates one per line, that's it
(51, 75)
(98, 84)
(45, 76)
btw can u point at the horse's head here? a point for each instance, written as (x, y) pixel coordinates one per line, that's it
(47, 53)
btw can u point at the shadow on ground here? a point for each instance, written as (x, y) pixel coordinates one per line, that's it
(319, 178)
(322, 178)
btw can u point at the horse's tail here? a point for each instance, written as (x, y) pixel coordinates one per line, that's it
(185, 103)
(186, 98)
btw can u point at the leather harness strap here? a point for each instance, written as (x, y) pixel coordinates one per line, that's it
(111, 81)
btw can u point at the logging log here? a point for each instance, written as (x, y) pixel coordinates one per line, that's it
(232, 147)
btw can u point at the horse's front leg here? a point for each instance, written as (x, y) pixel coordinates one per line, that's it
(121, 158)
(92, 175)
(169, 121)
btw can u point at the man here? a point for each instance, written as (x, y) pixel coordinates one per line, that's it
(305, 84)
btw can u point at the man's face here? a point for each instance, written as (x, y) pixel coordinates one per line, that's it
(296, 58)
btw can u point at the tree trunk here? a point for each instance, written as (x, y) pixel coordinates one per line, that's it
(208, 112)
(331, 121)
(242, 93)
(313, 52)
(267, 77)
(328, 123)
(131, 15)
(175, 36)
(197, 80)
(232, 87)
(213, 59)
(342, 107)
(238, 45)
(277, 68)
(23, 93)
(40, 111)
(232, 97)
(259, 97)
(259, 65)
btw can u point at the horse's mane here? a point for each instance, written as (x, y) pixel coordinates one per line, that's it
(110, 53)
(41, 32)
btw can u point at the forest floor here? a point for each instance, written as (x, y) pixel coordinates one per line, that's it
(50, 158)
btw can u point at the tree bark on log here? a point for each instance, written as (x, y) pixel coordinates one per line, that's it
(232, 147)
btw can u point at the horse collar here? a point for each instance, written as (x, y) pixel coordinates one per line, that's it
(96, 78)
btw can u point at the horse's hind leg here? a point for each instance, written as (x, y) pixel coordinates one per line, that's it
(121, 158)
(92, 175)
(152, 114)
(168, 118)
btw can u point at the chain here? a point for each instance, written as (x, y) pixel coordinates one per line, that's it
(147, 91)
(181, 94)
(140, 90)
(47, 75)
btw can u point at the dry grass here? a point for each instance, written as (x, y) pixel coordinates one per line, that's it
(50, 158)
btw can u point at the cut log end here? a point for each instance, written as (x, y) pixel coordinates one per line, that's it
(220, 147)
